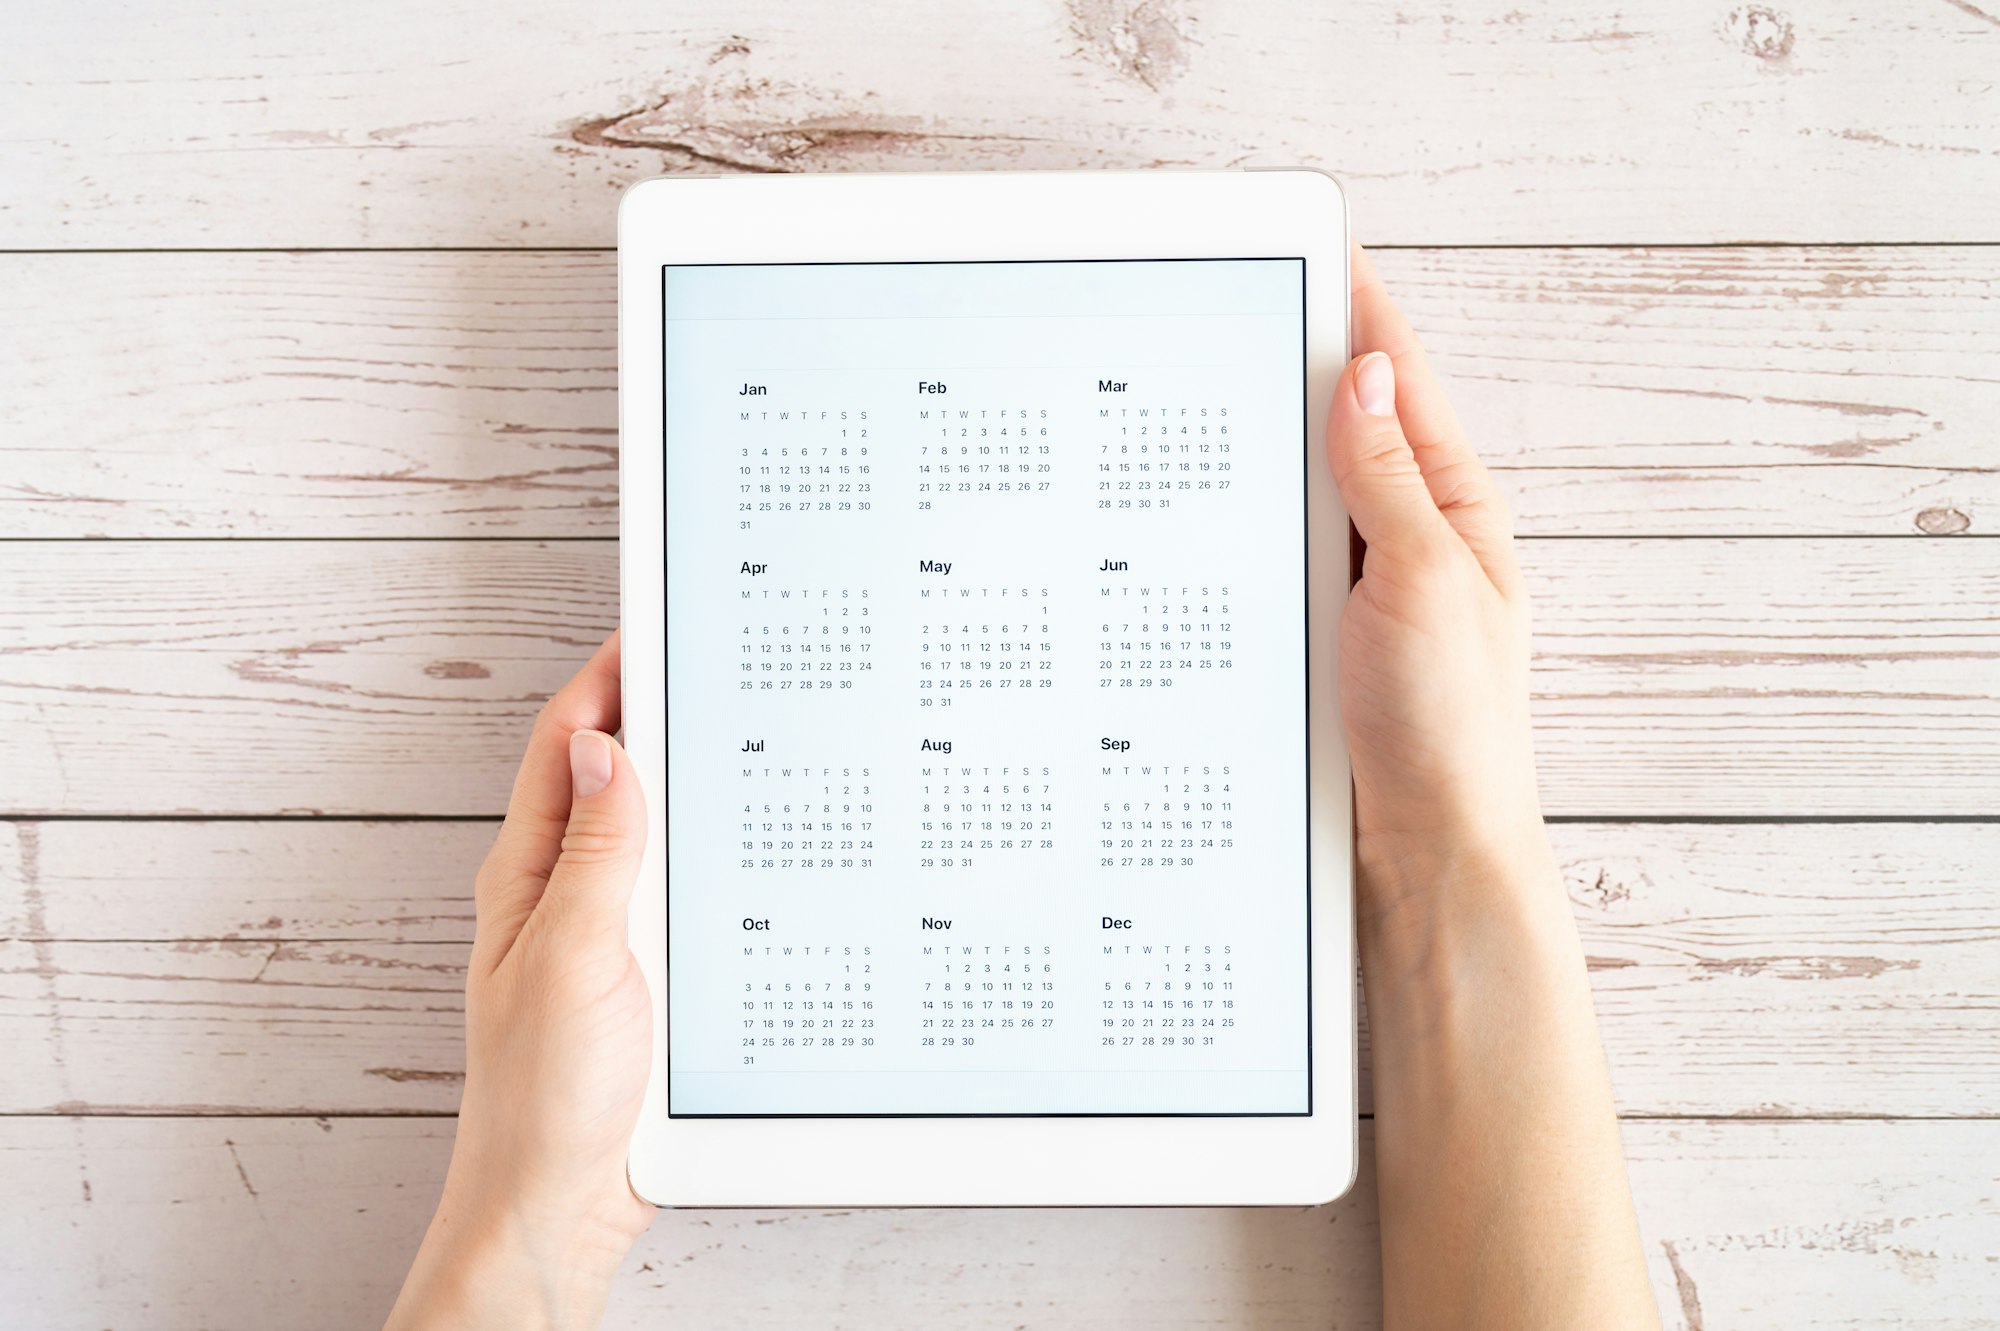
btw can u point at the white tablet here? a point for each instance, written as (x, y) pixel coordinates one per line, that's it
(981, 582)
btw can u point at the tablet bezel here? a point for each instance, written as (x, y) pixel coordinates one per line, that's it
(1012, 1161)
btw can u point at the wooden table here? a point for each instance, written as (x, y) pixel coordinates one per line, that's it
(308, 491)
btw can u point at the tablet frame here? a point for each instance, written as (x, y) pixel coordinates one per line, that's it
(970, 217)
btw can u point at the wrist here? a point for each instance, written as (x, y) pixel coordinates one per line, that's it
(489, 1266)
(1431, 905)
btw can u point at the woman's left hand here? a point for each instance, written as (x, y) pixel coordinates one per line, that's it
(537, 1213)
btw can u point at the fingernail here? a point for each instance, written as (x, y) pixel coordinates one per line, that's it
(1375, 385)
(589, 764)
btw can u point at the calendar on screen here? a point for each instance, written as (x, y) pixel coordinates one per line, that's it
(986, 688)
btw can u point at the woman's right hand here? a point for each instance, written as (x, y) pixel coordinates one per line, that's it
(1434, 639)
(1501, 1183)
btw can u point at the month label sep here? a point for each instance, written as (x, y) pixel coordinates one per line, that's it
(986, 688)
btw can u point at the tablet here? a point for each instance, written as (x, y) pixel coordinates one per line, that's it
(981, 578)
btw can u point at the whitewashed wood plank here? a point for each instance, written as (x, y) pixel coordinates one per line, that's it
(217, 1028)
(1818, 1224)
(1793, 969)
(1751, 391)
(406, 125)
(1741, 970)
(310, 1223)
(1766, 678)
(311, 678)
(279, 881)
(1685, 677)
(1627, 392)
(309, 395)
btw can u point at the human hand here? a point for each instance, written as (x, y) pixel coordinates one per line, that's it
(537, 1213)
(1501, 1183)
(1434, 639)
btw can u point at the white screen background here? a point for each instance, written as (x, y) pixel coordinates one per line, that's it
(1210, 351)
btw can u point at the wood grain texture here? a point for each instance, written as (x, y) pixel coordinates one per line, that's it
(289, 881)
(1689, 677)
(1801, 969)
(1752, 392)
(216, 1028)
(309, 395)
(1766, 678)
(1766, 971)
(1619, 392)
(309, 1224)
(313, 678)
(412, 124)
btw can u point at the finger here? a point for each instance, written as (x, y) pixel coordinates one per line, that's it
(591, 884)
(1460, 484)
(1428, 419)
(525, 852)
(1372, 463)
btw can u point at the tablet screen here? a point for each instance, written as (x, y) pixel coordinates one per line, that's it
(986, 688)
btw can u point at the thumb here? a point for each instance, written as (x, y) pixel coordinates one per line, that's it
(592, 881)
(1373, 464)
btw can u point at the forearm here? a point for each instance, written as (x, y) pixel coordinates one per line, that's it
(1504, 1201)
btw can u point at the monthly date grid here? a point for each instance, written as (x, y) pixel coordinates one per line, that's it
(807, 1002)
(974, 993)
(1147, 457)
(804, 819)
(1166, 996)
(804, 462)
(1151, 635)
(803, 639)
(1155, 817)
(971, 639)
(975, 814)
(986, 450)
